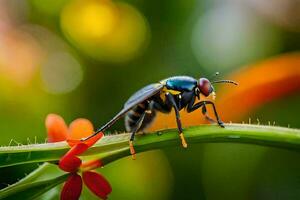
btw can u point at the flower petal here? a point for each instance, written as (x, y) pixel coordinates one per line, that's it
(90, 142)
(90, 165)
(69, 163)
(97, 184)
(72, 188)
(80, 128)
(56, 128)
(77, 149)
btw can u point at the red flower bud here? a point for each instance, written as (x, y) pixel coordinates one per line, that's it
(97, 184)
(72, 188)
(69, 163)
(77, 149)
(90, 165)
(90, 142)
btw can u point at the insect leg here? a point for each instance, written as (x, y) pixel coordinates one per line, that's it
(106, 126)
(216, 113)
(178, 120)
(192, 107)
(207, 117)
(137, 127)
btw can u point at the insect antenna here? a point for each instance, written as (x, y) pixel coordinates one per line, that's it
(225, 81)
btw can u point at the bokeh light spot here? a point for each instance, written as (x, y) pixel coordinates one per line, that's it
(62, 73)
(20, 55)
(230, 35)
(90, 21)
(104, 30)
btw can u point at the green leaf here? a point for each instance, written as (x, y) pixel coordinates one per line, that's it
(30, 177)
(113, 147)
(31, 190)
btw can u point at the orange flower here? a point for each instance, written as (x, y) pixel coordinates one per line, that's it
(58, 131)
(56, 128)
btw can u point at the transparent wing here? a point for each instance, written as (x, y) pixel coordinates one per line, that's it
(143, 94)
(137, 98)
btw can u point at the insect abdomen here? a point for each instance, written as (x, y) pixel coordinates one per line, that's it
(132, 117)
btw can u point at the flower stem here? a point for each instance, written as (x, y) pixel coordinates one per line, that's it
(113, 147)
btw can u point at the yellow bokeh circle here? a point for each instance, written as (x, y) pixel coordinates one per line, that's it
(107, 31)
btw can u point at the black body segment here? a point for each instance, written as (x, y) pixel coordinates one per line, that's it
(132, 117)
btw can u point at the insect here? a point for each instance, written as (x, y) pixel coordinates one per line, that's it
(178, 92)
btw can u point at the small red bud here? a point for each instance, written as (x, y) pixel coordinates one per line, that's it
(97, 184)
(69, 163)
(72, 188)
(90, 165)
(77, 149)
(90, 142)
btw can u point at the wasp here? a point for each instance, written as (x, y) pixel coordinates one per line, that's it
(178, 92)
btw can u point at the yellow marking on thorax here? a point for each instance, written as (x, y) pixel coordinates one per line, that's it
(165, 90)
(174, 92)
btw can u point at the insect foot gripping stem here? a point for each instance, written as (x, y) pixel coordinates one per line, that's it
(132, 151)
(183, 142)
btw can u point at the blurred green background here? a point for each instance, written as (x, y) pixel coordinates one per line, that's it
(84, 58)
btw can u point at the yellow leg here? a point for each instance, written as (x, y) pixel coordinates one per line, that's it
(132, 151)
(183, 142)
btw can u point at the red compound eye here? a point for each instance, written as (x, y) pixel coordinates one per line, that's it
(204, 86)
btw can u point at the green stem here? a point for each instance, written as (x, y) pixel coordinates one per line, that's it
(113, 147)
